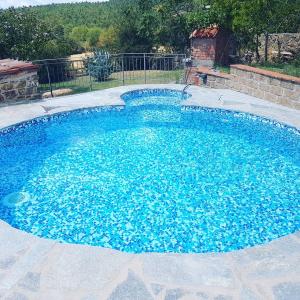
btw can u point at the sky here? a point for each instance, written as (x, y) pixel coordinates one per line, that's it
(16, 3)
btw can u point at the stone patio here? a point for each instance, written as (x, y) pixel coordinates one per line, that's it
(36, 268)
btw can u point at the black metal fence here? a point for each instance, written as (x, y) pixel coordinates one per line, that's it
(95, 73)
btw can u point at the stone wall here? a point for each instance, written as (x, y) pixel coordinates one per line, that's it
(286, 42)
(18, 81)
(213, 79)
(263, 84)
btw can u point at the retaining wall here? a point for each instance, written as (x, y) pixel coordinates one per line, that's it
(264, 84)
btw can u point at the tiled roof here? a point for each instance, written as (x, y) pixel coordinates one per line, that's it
(10, 66)
(209, 32)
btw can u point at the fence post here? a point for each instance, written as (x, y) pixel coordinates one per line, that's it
(145, 75)
(91, 82)
(49, 80)
(123, 72)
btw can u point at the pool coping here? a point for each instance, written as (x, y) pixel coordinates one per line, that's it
(38, 268)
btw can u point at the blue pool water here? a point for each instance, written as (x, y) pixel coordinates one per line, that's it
(152, 177)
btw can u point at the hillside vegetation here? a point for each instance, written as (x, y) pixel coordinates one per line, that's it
(71, 15)
(59, 30)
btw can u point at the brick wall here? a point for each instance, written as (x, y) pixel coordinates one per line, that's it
(264, 84)
(18, 81)
(203, 51)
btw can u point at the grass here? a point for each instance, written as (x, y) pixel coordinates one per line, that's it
(292, 69)
(83, 84)
(223, 69)
(284, 68)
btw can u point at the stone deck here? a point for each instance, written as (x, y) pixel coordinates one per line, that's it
(36, 268)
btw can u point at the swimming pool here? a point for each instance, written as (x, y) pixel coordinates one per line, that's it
(152, 177)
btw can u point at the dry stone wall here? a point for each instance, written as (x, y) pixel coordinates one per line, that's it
(18, 81)
(280, 42)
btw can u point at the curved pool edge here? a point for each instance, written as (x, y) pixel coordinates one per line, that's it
(201, 97)
(39, 268)
(33, 266)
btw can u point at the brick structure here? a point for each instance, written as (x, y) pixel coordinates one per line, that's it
(210, 46)
(272, 86)
(18, 80)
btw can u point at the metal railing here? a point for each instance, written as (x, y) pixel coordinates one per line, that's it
(89, 74)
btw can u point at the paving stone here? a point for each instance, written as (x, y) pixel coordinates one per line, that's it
(276, 268)
(31, 281)
(174, 294)
(90, 297)
(201, 296)
(13, 241)
(6, 263)
(247, 294)
(56, 93)
(29, 250)
(57, 294)
(273, 259)
(189, 270)
(16, 296)
(287, 291)
(223, 297)
(156, 288)
(73, 266)
(297, 234)
(131, 289)
(2, 292)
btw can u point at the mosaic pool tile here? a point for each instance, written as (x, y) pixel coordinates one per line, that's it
(152, 177)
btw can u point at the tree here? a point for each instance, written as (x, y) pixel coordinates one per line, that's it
(21, 35)
(109, 39)
(255, 17)
(174, 30)
(25, 37)
(79, 34)
(135, 23)
(139, 25)
(93, 36)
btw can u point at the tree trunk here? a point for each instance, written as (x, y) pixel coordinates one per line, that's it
(279, 49)
(266, 46)
(256, 48)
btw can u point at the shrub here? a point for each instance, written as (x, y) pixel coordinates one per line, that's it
(59, 71)
(99, 65)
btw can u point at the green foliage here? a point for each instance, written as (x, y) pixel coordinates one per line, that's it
(92, 36)
(292, 68)
(137, 25)
(109, 39)
(72, 15)
(25, 37)
(99, 65)
(79, 34)
(260, 16)
(173, 30)
(134, 21)
(252, 18)
(21, 35)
